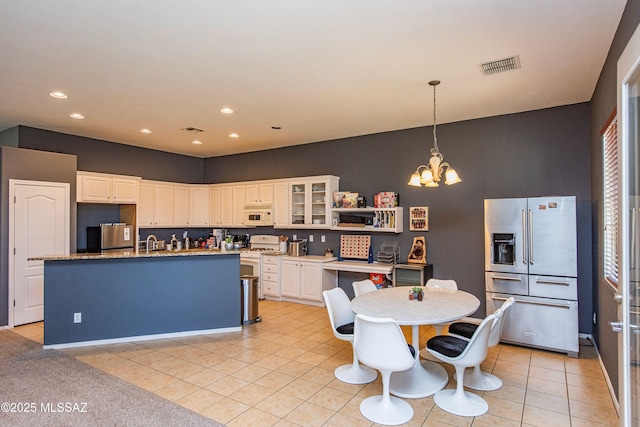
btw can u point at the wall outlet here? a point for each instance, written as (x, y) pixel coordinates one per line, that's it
(322, 239)
(77, 317)
(311, 237)
(295, 237)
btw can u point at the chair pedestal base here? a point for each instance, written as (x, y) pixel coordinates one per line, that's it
(482, 381)
(355, 374)
(464, 404)
(392, 411)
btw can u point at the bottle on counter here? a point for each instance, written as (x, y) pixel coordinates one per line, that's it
(174, 242)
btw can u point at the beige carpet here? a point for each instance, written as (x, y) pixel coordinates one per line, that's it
(46, 387)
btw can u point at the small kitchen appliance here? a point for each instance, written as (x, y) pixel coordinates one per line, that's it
(298, 247)
(257, 215)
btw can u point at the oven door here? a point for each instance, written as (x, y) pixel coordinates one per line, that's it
(251, 265)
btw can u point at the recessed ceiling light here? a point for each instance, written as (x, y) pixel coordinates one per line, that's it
(226, 110)
(76, 116)
(58, 95)
(196, 142)
(145, 130)
(234, 135)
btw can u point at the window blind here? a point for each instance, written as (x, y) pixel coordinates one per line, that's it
(610, 203)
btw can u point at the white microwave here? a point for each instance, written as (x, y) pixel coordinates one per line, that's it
(259, 215)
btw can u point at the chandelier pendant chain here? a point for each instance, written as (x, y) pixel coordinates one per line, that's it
(435, 138)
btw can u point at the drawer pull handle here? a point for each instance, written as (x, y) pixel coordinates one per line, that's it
(553, 282)
(513, 279)
(547, 304)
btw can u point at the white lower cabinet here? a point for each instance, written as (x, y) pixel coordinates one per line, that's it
(271, 277)
(304, 279)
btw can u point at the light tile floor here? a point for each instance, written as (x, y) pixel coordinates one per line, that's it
(279, 372)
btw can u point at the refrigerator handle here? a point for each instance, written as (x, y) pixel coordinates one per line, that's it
(530, 237)
(634, 239)
(524, 237)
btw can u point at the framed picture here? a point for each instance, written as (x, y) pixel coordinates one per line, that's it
(419, 218)
(418, 253)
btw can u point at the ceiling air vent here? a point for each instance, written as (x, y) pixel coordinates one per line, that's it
(193, 130)
(500, 66)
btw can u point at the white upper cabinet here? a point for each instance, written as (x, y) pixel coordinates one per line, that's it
(281, 204)
(181, 205)
(239, 199)
(198, 205)
(106, 188)
(311, 201)
(259, 193)
(145, 207)
(164, 205)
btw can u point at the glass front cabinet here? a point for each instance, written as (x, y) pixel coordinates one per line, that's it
(311, 201)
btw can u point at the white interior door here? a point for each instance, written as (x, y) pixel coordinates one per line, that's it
(39, 222)
(629, 187)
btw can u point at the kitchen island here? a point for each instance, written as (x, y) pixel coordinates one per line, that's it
(94, 299)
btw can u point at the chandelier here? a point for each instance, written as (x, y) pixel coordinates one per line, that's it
(430, 175)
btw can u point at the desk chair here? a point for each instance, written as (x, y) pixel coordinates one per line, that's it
(342, 318)
(443, 284)
(462, 354)
(380, 344)
(363, 286)
(477, 379)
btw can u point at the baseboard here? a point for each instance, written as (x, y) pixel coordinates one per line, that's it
(604, 371)
(143, 338)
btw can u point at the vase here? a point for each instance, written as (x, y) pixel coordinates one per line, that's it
(228, 245)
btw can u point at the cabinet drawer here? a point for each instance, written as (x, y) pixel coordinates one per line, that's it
(269, 259)
(269, 268)
(270, 276)
(270, 288)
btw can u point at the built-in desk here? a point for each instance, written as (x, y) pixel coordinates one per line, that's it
(359, 267)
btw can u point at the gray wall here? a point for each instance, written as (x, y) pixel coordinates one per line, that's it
(102, 156)
(545, 152)
(603, 105)
(36, 166)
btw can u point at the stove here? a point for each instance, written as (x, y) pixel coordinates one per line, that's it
(251, 257)
(264, 242)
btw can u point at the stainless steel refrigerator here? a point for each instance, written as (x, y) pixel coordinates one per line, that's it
(110, 237)
(531, 254)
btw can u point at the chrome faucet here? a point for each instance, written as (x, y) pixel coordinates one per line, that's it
(151, 236)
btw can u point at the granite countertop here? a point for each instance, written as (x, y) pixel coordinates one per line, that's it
(132, 254)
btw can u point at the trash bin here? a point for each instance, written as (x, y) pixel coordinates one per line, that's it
(249, 299)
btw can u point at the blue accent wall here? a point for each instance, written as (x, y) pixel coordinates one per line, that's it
(140, 296)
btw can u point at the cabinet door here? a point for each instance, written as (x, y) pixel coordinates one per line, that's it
(289, 279)
(215, 205)
(317, 213)
(145, 204)
(198, 205)
(238, 204)
(96, 189)
(181, 205)
(226, 206)
(310, 281)
(281, 204)
(252, 195)
(265, 193)
(125, 190)
(298, 203)
(163, 205)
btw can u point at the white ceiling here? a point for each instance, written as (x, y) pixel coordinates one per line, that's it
(321, 70)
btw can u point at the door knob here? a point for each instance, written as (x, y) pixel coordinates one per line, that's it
(616, 326)
(618, 298)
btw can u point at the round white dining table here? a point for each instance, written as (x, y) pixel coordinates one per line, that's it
(438, 306)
